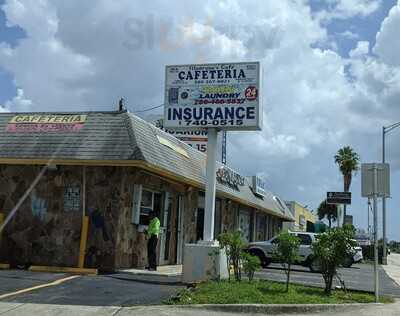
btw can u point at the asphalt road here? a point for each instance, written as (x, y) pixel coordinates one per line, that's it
(358, 277)
(14, 280)
(106, 290)
(83, 290)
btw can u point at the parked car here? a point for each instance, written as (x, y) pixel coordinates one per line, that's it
(265, 251)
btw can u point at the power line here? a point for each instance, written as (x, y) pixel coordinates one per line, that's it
(149, 109)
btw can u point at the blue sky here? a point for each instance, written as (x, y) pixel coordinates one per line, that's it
(365, 27)
(321, 92)
(10, 35)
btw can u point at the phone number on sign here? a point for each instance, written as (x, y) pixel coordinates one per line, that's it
(220, 101)
(213, 122)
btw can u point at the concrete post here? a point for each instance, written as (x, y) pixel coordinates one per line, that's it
(211, 168)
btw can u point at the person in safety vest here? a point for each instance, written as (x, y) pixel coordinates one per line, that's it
(152, 234)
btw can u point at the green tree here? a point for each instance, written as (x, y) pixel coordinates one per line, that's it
(233, 244)
(328, 211)
(251, 264)
(331, 249)
(349, 162)
(287, 253)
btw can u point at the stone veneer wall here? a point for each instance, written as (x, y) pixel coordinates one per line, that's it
(43, 233)
(131, 245)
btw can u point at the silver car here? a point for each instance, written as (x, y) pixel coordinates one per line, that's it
(265, 251)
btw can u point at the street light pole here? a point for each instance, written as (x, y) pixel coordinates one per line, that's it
(384, 257)
(385, 130)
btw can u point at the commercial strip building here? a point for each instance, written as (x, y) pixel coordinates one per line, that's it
(304, 218)
(107, 171)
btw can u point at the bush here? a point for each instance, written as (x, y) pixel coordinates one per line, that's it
(287, 253)
(251, 264)
(234, 246)
(331, 249)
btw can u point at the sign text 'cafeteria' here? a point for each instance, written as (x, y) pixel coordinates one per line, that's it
(225, 96)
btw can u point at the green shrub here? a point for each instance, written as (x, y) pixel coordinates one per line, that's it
(234, 246)
(287, 253)
(251, 264)
(331, 249)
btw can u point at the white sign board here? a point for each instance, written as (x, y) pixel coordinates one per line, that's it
(367, 179)
(225, 96)
(195, 138)
(259, 185)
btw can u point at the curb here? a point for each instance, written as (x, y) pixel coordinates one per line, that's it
(127, 277)
(274, 309)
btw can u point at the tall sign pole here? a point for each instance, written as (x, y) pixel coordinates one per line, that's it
(212, 97)
(375, 182)
(211, 169)
(223, 148)
(375, 198)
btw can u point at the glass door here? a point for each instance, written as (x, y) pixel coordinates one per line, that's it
(165, 230)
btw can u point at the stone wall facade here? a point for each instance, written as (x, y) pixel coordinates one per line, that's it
(46, 228)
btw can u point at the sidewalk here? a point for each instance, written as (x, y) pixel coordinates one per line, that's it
(393, 267)
(20, 309)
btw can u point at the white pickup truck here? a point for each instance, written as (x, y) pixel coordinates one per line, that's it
(265, 251)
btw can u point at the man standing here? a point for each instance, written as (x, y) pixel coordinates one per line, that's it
(152, 235)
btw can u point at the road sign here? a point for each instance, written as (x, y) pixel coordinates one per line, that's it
(224, 96)
(338, 197)
(383, 179)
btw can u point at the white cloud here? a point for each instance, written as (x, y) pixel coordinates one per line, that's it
(88, 58)
(388, 39)
(344, 9)
(361, 49)
(18, 103)
(349, 35)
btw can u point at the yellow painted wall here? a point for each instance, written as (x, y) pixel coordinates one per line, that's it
(308, 216)
(299, 210)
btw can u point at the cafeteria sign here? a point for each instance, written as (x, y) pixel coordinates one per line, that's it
(223, 96)
(45, 123)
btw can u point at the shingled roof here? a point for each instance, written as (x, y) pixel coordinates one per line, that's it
(119, 138)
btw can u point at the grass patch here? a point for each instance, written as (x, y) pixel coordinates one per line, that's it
(267, 292)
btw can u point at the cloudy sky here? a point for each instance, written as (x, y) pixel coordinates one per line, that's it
(331, 75)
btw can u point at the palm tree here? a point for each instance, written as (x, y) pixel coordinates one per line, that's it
(328, 211)
(348, 161)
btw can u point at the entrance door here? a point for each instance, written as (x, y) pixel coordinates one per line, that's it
(165, 230)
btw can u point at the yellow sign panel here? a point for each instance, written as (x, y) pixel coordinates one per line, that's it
(48, 119)
(171, 145)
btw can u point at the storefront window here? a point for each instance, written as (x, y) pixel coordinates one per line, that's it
(151, 201)
(200, 217)
(244, 225)
(261, 222)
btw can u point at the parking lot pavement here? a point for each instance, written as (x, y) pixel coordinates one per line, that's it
(84, 290)
(358, 277)
(14, 280)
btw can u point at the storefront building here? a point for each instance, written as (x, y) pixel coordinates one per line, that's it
(112, 168)
(304, 218)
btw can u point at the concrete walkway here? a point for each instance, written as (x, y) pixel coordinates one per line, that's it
(18, 309)
(171, 274)
(393, 267)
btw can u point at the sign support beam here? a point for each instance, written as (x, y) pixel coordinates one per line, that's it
(376, 279)
(211, 169)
